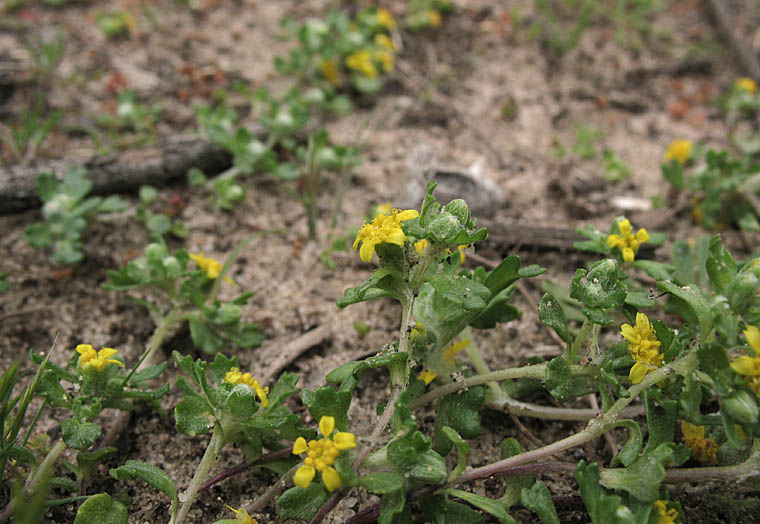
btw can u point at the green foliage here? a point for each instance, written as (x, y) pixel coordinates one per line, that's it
(101, 509)
(161, 223)
(150, 474)
(67, 212)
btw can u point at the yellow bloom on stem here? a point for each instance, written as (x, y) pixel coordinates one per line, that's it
(665, 515)
(384, 228)
(704, 450)
(322, 454)
(449, 354)
(385, 19)
(385, 41)
(643, 346)
(678, 150)
(330, 71)
(746, 84)
(420, 246)
(362, 61)
(434, 18)
(210, 266)
(242, 516)
(427, 376)
(235, 377)
(749, 367)
(626, 241)
(88, 357)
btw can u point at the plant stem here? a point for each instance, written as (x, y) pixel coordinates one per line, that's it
(244, 466)
(481, 368)
(213, 449)
(380, 425)
(580, 339)
(261, 502)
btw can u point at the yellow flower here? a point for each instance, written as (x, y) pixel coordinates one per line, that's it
(97, 359)
(386, 60)
(643, 346)
(702, 449)
(235, 377)
(322, 454)
(385, 41)
(749, 367)
(449, 354)
(385, 19)
(678, 150)
(746, 84)
(210, 266)
(384, 228)
(242, 517)
(665, 515)
(362, 61)
(434, 18)
(384, 209)
(427, 376)
(330, 71)
(420, 246)
(626, 240)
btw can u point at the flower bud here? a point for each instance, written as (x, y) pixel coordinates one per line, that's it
(741, 406)
(314, 95)
(228, 314)
(445, 227)
(742, 291)
(459, 209)
(155, 252)
(172, 266)
(327, 158)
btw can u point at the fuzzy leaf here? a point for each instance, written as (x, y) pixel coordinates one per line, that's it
(539, 501)
(302, 504)
(150, 474)
(494, 507)
(79, 435)
(551, 314)
(101, 509)
(460, 411)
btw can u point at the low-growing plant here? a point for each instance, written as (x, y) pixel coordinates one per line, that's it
(27, 134)
(422, 14)
(132, 116)
(158, 224)
(723, 191)
(67, 211)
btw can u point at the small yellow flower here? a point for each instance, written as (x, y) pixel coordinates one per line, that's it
(434, 18)
(746, 84)
(242, 516)
(384, 228)
(384, 209)
(97, 359)
(361, 61)
(703, 449)
(626, 241)
(235, 377)
(322, 454)
(330, 71)
(420, 246)
(665, 515)
(749, 367)
(449, 354)
(678, 150)
(385, 42)
(385, 19)
(210, 266)
(643, 346)
(427, 376)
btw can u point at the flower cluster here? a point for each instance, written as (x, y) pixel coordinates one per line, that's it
(665, 515)
(234, 376)
(627, 241)
(704, 450)
(643, 346)
(679, 150)
(98, 360)
(322, 454)
(384, 228)
(749, 367)
(746, 84)
(210, 266)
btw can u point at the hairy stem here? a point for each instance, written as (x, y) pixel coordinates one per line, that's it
(213, 449)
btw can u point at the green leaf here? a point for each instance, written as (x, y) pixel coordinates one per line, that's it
(498, 310)
(150, 474)
(551, 314)
(660, 424)
(510, 447)
(220, 366)
(379, 284)
(391, 505)
(325, 401)
(673, 173)
(429, 467)
(494, 507)
(656, 270)
(79, 435)
(539, 501)
(76, 183)
(559, 379)
(720, 265)
(101, 509)
(86, 461)
(642, 478)
(504, 274)
(112, 204)
(285, 386)
(204, 337)
(695, 301)
(460, 411)
(639, 300)
(382, 482)
(38, 235)
(302, 504)
(193, 416)
(599, 288)
(602, 507)
(47, 186)
(463, 450)
(630, 451)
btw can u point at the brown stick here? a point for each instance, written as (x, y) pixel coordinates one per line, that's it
(285, 355)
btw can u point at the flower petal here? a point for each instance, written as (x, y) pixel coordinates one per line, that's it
(114, 361)
(642, 235)
(344, 440)
(753, 338)
(331, 479)
(628, 254)
(625, 227)
(83, 349)
(638, 372)
(692, 431)
(408, 214)
(366, 251)
(744, 365)
(303, 476)
(299, 446)
(327, 425)
(614, 240)
(107, 352)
